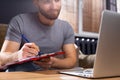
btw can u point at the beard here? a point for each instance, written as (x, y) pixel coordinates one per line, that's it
(50, 14)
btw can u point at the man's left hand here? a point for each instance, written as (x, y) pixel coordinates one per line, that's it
(45, 63)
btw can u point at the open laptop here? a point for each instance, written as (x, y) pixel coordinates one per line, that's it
(108, 50)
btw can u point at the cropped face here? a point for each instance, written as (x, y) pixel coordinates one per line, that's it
(50, 9)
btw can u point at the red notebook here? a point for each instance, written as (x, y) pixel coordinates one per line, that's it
(35, 58)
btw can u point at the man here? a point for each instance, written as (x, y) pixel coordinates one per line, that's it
(46, 34)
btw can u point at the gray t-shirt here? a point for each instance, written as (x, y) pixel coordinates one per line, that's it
(48, 38)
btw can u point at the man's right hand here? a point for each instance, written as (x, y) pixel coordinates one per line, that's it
(28, 50)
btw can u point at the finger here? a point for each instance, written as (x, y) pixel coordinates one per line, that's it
(32, 45)
(35, 46)
(26, 54)
(45, 60)
(29, 49)
(33, 51)
(52, 59)
(42, 64)
(30, 54)
(38, 63)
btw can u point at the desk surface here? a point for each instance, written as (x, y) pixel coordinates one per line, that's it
(43, 75)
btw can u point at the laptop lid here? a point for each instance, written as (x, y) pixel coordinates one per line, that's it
(108, 50)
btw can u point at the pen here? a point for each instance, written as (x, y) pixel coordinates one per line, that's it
(24, 38)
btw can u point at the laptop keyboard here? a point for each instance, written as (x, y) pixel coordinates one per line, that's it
(79, 72)
(85, 71)
(88, 71)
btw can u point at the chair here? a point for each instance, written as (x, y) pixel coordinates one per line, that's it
(3, 29)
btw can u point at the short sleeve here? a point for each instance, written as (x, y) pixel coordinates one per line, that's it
(69, 34)
(14, 31)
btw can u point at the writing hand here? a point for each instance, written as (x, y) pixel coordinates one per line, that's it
(28, 50)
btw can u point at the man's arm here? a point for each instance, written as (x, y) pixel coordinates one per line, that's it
(70, 57)
(10, 46)
(10, 51)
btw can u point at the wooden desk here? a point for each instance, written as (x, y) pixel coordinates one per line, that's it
(43, 75)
